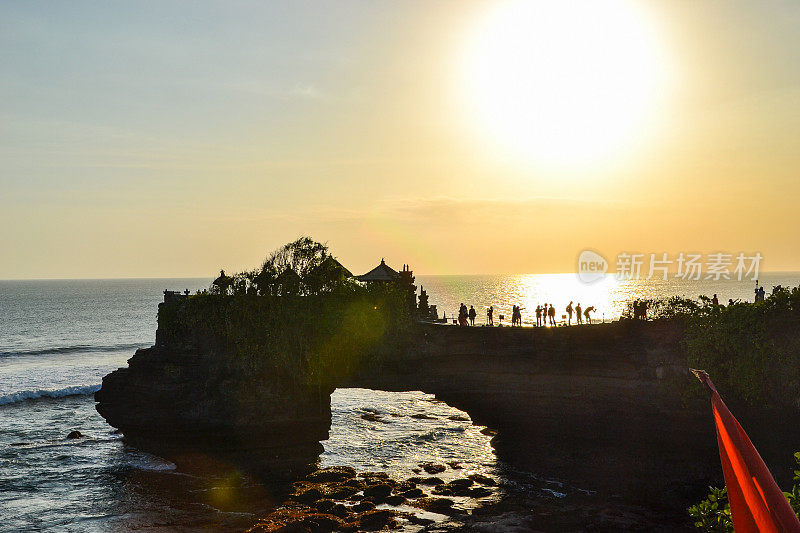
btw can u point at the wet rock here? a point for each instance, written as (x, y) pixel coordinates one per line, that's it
(412, 493)
(340, 511)
(322, 522)
(482, 480)
(324, 506)
(488, 431)
(363, 506)
(294, 527)
(433, 468)
(423, 416)
(443, 490)
(75, 434)
(395, 500)
(436, 505)
(372, 417)
(354, 483)
(458, 418)
(458, 487)
(460, 483)
(331, 474)
(480, 492)
(378, 491)
(366, 475)
(431, 481)
(340, 492)
(455, 465)
(308, 496)
(377, 519)
(404, 485)
(416, 470)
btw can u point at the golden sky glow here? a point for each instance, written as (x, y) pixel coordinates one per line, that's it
(566, 84)
(459, 137)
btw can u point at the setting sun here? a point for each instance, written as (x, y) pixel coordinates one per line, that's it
(565, 83)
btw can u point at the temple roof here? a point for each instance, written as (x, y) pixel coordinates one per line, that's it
(288, 276)
(332, 265)
(382, 272)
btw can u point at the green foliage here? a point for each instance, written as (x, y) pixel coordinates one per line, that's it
(714, 513)
(662, 308)
(751, 350)
(303, 266)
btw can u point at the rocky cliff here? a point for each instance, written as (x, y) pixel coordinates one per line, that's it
(602, 407)
(178, 403)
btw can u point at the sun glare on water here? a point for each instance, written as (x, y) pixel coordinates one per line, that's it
(565, 83)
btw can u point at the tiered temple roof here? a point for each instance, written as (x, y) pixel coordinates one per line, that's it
(382, 272)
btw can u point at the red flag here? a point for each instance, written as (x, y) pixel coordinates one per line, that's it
(757, 504)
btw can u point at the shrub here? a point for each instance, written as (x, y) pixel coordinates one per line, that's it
(714, 513)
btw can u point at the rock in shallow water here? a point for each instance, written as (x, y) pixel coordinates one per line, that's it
(333, 473)
(433, 468)
(75, 434)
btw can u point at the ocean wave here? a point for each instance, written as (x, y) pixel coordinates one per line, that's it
(21, 396)
(73, 349)
(151, 463)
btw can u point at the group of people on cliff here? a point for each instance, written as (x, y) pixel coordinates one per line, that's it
(545, 315)
(466, 316)
(580, 313)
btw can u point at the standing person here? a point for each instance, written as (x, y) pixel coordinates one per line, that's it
(714, 301)
(578, 317)
(552, 313)
(489, 318)
(569, 313)
(544, 315)
(539, 315)
(472, 315)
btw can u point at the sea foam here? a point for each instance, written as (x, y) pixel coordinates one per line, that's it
(21, 396)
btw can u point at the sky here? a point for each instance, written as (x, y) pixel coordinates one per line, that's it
(170, 139)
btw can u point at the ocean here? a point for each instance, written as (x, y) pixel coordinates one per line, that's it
(59, 338)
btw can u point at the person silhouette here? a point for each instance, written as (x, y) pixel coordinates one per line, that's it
(489, 316)
(578, 317)
(552, 314)
(539, 315)
(569, 313)
(472, 315)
